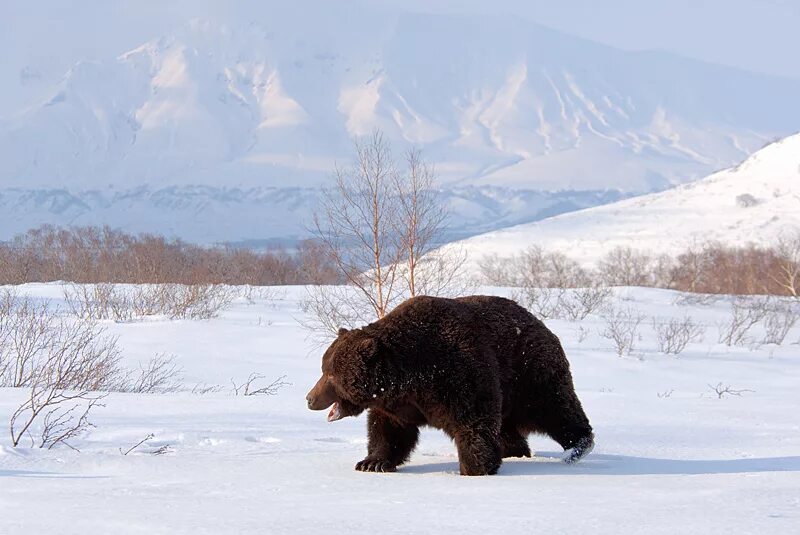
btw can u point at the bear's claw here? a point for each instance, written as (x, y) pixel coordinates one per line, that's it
(375, 465)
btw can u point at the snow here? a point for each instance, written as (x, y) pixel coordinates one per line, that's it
(755, 202)
(688, 462)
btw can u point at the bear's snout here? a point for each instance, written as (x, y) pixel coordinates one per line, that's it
(321, 396)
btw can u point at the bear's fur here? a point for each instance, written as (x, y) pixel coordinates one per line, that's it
(482, 369)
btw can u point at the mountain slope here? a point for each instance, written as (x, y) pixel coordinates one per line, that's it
(755, 202)
(269, 98)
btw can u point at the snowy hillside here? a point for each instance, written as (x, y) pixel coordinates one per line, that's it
(756, 201)
(268, 97)
(671, 457)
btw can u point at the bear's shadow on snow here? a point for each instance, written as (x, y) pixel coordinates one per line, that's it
(549, 464)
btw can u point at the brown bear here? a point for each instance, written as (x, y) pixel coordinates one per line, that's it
(482, 369)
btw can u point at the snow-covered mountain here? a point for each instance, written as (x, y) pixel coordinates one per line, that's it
(754, 202)
(259, 216)
(271, 96)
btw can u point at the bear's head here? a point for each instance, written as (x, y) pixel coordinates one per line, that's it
(352, 370)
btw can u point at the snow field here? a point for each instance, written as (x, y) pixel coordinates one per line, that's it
(670, 456)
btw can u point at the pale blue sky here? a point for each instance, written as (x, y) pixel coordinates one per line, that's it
(757, 35)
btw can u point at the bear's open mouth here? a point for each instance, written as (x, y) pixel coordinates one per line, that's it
(335, 413)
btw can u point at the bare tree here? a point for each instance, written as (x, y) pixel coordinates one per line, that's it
(357, 223)
(379, 225)
(420, 218)
(788, 273)
(624, 266)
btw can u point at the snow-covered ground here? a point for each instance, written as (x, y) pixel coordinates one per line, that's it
(755, 202)
(671, 457)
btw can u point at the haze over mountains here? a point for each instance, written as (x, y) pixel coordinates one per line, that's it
(225, 129)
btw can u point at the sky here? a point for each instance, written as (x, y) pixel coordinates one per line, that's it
(756, 35)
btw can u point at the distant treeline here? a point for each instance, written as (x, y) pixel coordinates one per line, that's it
(710, 268)
(102, 254)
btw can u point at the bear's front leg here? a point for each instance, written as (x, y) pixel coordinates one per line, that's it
(389, 445)
(478, 450)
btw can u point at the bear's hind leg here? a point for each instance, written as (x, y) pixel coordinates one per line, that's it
(389, 444)
(566, 423)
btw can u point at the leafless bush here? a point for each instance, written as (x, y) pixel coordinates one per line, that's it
(160, 375)
(778, 321)
(202, 389)
(61, 415)
(580, 302)
(665, 394)
(674, 335)
(63, 362)
(745, 314)
(249, 387)
(37, 338)
(622, 328)
(722, 391)
(542, 302)
(124, 303)
(198, 301)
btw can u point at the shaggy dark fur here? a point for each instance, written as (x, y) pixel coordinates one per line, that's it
(482, 369)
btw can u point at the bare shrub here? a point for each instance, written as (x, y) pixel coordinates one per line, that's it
(745, 314)
(665, 394)
(177, 301)
(61, 415)
(160, 375)
(778, 321)
(37, 338)
(63, 362)
(721, 391)
(542, 302)
(674, 335)
(622, 328)
(250, 388)
(580, 302)
(197, 301)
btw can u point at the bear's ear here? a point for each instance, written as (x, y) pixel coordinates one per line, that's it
(342, 331)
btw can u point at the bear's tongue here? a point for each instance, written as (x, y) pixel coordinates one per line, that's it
(335, 413)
